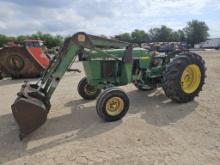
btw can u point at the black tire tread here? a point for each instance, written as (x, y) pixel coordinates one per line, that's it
(104, 96)
(81, 92)
(173, 72)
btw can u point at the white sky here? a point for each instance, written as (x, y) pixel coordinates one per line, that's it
(108, 17)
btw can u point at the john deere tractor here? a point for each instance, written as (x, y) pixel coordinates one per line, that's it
(109, 64)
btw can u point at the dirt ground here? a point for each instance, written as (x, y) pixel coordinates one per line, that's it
(155, 130)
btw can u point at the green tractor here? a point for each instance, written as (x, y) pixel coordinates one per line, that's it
(109, 64)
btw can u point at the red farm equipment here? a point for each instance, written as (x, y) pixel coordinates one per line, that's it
(23, 61)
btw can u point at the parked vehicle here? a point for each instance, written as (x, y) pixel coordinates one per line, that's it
(209, 44)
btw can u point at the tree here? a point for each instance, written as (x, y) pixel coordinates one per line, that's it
(20, 39)
(154, 34)
(124, 37)
(3, 40)
(163, 34)
(174, 36)
(49, 40)
(166, 34)
(196, 32)
(181, 35)
(139, 36)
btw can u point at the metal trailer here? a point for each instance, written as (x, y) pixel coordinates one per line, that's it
(211, 44)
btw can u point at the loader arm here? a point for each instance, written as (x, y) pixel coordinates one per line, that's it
(32, 105)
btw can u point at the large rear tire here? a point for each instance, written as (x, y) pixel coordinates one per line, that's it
(184, 77)
(87, 91)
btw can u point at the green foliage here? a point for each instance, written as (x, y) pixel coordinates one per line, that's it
(154, 34)
(196, 31)
(21, 38)
(49, 40)
(166, 34)
(139, 36)
(181, 35)
(3, 40)
(163, 34)
(124, 37)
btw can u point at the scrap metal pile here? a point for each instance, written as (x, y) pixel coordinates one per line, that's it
(165, 46)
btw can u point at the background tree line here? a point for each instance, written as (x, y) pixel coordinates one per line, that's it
(49, 40)
(194, 32)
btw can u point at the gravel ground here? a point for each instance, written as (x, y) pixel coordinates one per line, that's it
(155, 130)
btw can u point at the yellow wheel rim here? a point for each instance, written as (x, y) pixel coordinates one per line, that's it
(114, 106)
(191, 78)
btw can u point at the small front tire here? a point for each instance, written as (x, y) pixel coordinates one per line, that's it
(112, 104)
(87, 91)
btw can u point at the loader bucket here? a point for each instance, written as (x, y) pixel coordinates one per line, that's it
(30, 110)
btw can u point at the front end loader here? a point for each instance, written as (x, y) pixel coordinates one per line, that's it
(109, 64)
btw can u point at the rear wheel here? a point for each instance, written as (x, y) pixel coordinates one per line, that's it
(112, 104)
(15, 64)
(87, 91)
(184, 77)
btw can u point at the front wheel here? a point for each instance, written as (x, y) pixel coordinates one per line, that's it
(184, 77)
(112, 104)
(87, 91)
